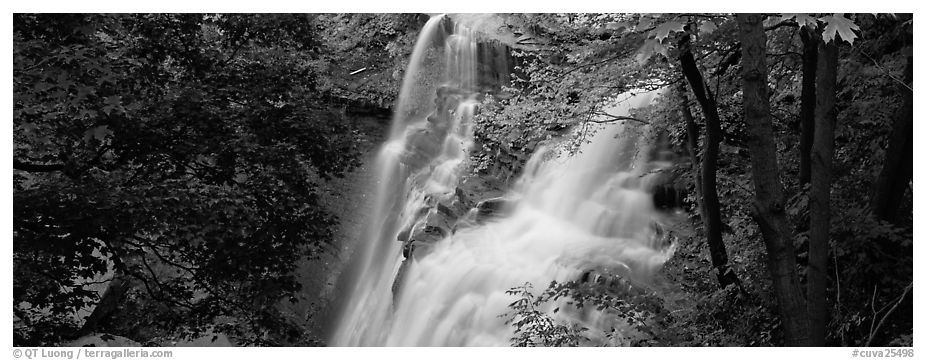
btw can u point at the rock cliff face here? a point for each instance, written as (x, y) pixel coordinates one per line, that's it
(443, 209)
(475, 201)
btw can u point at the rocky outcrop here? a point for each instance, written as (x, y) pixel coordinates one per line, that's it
(669, 195)
(435, 221)
(490, 208)
(431, 140)
(440, 217)
(494, 66)
(425, 140)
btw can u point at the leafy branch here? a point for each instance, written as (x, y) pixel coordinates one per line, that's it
(536, 328)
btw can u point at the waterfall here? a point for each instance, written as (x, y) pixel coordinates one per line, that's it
(416, 284)
(420, 162)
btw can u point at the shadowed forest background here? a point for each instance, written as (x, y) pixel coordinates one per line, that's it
(202, 178)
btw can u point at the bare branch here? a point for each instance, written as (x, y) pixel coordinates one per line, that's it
(787, 53)
(790, 23)
(578, 67)
(884, 70)
(614, 118)
(33, 167)
(873, 332)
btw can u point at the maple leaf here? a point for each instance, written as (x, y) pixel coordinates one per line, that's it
(112, 103)
(838, 24)
(618, 26)
(649, 48)
(645, 22)
(707, 27)
(801, 19)
(663, 30)
(84, 91)
(99, 133)
(112, 100)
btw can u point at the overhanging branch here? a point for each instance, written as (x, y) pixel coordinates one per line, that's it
(613, 118)
(33, 167)
(790, 23)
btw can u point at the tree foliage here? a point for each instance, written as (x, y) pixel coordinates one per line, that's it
(571, 63)
(533, 327)
(180, 152)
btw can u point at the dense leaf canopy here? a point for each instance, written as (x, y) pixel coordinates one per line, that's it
(180, 152)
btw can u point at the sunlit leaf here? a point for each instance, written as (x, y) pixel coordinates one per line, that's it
(617, 26)
(801, 19)
(707, 27)
(99, 133)
(646, 51)
(645, 22)
(838, 24)
(665, 29)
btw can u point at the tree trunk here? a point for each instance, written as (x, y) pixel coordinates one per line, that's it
(108, 304)
(808, 100)
(769, 209)
(897, 171)
(821, 180)
(693, 135)
(710, 203)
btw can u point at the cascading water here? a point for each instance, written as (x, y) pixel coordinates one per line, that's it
(419, 163)
(567, 215)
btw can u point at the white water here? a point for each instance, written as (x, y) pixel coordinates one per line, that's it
(588, 212)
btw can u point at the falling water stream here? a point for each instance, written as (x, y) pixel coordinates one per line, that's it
(566, 216)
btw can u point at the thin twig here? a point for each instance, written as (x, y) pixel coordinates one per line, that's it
(783, 23)
(874, 313)
(786, 53)
(885, 70)
(613, 118)
(842, 335)
(838, 290)
(578, 67)
(897, 302)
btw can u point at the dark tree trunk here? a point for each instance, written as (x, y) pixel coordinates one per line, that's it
(769, 209)
(808, 100)
(693, 135)
(820, 183)
(710, 204)
(897, 171)
(108, 304)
